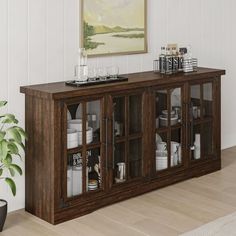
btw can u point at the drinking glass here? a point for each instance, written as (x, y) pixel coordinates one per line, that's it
(113, 71)
(92, 73)
(102, 73)
(82, 68)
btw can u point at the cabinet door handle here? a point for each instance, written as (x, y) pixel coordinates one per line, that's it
(191, 125)
(106, 144)
(113, 140)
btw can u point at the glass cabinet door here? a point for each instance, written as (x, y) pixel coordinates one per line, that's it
(127, 138)
(201, 121)
(84, 150)
(169, 128)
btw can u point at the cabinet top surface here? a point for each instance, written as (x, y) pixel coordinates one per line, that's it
(59, 90)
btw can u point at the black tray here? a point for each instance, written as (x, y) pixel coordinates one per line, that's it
(97, 81)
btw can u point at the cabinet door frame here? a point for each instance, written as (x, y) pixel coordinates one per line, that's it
(216, 119)
(85, 196)
(172, 170)
(110, 158)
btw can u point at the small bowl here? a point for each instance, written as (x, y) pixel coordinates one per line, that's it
(165, 113)
(72, 144)
(72, 135)
(76, 124)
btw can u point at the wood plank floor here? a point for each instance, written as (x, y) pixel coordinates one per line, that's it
(168, 211)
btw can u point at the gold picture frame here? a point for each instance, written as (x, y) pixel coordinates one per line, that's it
(103, 35)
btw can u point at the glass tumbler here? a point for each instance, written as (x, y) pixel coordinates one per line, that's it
(113, 71)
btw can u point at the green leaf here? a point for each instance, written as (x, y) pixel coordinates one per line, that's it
(3, 149)
(13, 132)
(16, 168)
(9, 158)
(3, 103)
(22, 133)
(12, 185)
(2, 135)
(9, 118)
(13, 148)
(12, 172)
(21, 145)
(7, 161)
(1, 171)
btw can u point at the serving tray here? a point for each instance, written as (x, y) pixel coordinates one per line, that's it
(96, 81)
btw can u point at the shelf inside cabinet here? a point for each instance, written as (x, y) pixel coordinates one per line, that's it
(93, 145)
(165, 129)
(130, 137)
(135, 136)
(74, 150)
(120, 139)
(201, 121)
(88, 146)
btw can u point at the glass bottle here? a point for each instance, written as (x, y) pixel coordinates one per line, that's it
(82, 65)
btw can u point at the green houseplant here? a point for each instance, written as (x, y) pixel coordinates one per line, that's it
(11, 143)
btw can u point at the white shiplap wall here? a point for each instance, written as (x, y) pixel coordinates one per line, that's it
(39, 40)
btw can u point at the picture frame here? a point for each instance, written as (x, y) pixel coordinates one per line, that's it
(106, 32)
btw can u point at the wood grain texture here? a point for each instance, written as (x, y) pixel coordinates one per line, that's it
(137, 80)
(40, 158)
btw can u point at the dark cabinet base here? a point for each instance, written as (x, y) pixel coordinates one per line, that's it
(126, 192)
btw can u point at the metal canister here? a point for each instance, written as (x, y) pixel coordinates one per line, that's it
(169, 64)
(162, 64)
(162, 61)
(180, 62)
(175, 64)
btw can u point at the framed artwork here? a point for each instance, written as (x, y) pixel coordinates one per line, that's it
(114, 26)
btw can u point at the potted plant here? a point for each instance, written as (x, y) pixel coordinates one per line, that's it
(11, 141)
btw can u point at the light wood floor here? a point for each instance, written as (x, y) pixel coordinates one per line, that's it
(168, 211)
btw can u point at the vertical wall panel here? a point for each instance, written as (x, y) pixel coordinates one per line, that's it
(70, 36)
(134, 63)
(55, 40)
(3, 65)
(17, 76)
(38, 41)
(156, 32)
(227, 47)
(3, 49)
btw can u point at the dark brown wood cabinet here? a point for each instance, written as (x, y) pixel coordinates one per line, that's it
(92, 146)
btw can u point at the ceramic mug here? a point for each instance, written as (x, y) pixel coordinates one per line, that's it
(174, 147)
(121, 170)
(162, 146)
(118, 129)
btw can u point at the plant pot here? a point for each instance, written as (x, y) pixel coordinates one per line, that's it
(3, 213)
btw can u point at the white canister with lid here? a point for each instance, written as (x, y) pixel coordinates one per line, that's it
(69, 181)
(197, 146)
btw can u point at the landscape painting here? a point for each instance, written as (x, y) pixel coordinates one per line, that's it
(114, 26)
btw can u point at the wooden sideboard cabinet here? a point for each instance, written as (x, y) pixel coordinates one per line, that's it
(131, 137)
